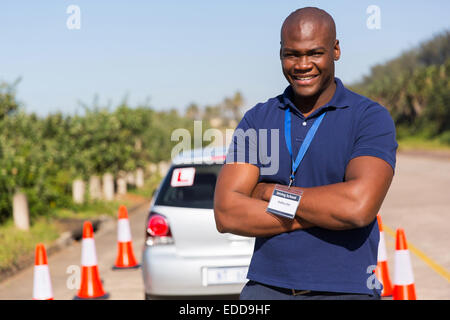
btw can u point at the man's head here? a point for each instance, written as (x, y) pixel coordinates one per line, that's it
(308, 51)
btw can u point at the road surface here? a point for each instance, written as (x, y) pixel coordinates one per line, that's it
(418, 201)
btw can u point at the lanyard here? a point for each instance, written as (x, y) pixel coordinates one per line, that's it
(305, 145)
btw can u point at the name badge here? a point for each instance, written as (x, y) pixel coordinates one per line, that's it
(284, 201)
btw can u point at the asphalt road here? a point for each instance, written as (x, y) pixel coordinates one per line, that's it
(418, 201)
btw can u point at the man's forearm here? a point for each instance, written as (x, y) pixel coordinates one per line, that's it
(336, 206)
(332, 207)
(240, 214)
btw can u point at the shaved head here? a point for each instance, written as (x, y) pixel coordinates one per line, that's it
(308, 51)
(310, 19)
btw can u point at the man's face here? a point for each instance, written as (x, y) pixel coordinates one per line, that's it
(307, 53)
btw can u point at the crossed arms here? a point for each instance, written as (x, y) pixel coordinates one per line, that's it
(240, 202)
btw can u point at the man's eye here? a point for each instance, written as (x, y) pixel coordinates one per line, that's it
(317, 54)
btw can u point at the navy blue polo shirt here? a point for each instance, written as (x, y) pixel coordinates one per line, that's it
(316, 258)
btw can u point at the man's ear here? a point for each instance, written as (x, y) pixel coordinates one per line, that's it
(337, 50)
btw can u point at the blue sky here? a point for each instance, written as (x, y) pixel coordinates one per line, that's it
(177, 52)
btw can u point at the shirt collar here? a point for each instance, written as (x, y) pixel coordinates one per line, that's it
(337, 101)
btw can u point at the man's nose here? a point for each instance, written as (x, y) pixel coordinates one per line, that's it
(303, 63)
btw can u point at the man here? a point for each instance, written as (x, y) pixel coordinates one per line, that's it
(329, 249)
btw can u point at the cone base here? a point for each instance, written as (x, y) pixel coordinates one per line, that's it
(125, 255)
(406, 292)
(103, 297)
(137, 266)
(91, 285)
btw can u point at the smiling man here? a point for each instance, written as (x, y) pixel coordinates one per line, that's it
(308, 51)
(314, 219)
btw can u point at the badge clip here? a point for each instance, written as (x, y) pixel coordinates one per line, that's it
(291, 180)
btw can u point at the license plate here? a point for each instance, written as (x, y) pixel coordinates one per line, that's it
(224, 275)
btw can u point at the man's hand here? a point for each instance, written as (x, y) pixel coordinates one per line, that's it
(353, 203)
(240, 202)
(236, 211)
(263, 191)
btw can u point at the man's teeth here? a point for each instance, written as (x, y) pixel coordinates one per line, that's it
(306, 78)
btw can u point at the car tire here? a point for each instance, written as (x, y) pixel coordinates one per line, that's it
(152, 297)
(148, 296)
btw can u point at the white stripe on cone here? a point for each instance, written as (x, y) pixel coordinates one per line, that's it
(403, 274)
(382, 256)
(42, 286)
(123, 231)
(88, 254)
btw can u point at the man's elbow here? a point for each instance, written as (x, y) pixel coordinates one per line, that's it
(220, 226)
(361, 215)
(219, 217)
(360, 222)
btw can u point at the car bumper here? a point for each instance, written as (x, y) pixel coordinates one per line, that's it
(167, 273)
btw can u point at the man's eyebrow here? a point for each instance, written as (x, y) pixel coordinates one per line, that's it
(309, 50)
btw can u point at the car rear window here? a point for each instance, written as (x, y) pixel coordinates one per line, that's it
(198, 193)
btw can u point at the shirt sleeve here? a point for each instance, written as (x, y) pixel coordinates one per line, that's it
(376, 135)
(244, 144)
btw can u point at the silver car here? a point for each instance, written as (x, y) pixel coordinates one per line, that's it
(184, 254)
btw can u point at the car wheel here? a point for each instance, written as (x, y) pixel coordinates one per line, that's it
(147, 296)
(151, 297)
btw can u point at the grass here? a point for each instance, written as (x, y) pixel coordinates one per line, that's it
(91, 210)
(16, 243)
(421, 143)
(96, 208)
(150, 185)
(410, 139)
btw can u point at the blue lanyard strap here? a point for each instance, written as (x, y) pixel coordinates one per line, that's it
(305, 145)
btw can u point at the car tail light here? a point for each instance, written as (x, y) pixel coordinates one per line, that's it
(158, 230)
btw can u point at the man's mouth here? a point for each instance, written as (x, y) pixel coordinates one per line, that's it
(302, 80)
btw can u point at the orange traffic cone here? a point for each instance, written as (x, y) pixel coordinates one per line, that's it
(91, 286)
(404, 288)
(382, 271)
(125, 256)
(42, 286)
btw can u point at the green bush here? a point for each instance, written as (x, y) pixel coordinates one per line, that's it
(445, 137)
(42, 156)
(415, 88)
